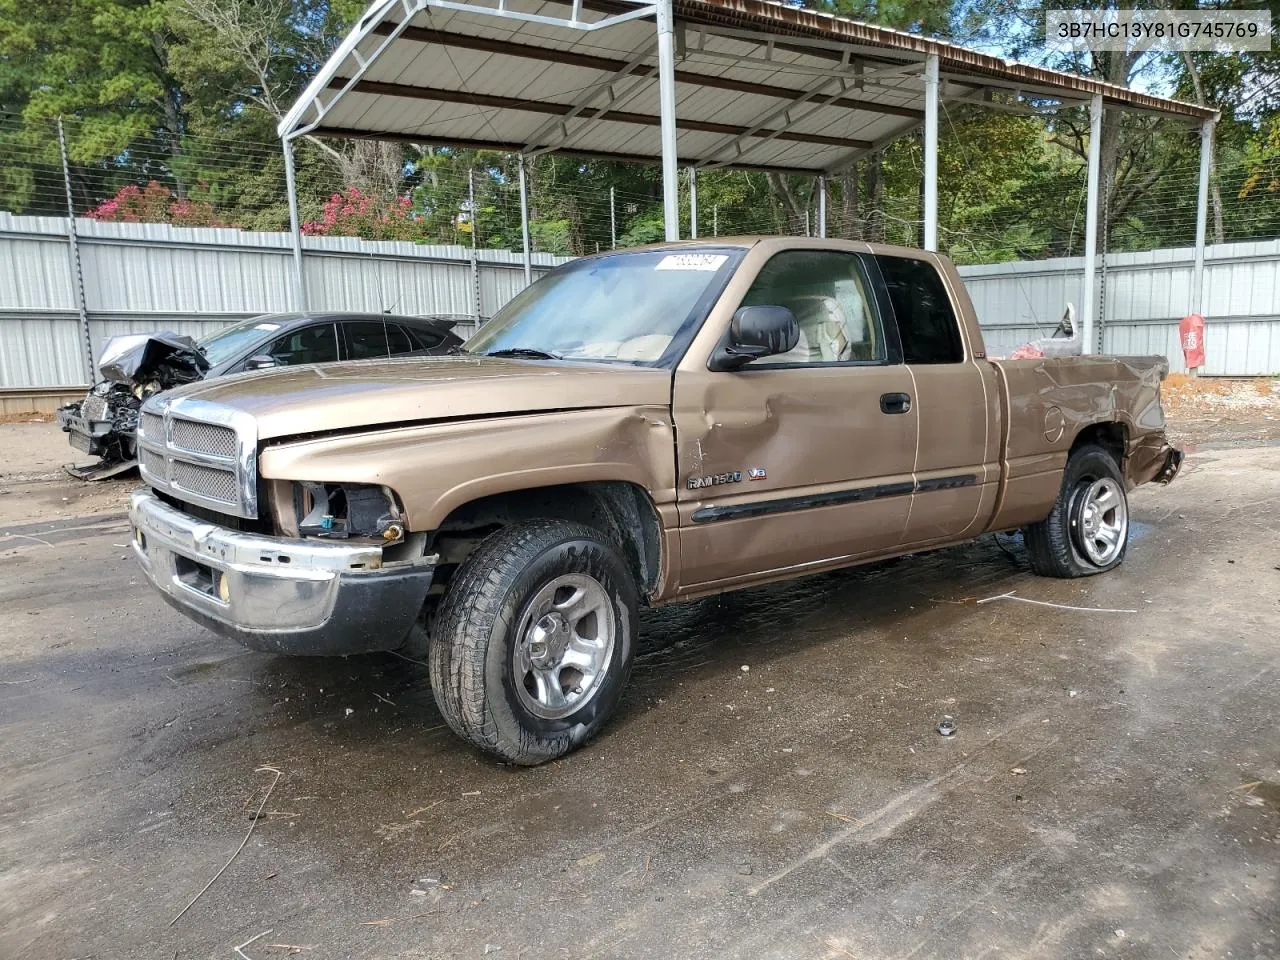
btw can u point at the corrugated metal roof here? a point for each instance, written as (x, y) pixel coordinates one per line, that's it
(417, 70)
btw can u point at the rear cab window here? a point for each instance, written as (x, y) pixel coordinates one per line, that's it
(927, 322)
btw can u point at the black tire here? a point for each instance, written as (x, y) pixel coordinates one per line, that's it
(472, 656)
(1053, 544)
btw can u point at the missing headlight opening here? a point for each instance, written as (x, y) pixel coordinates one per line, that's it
(341, 511)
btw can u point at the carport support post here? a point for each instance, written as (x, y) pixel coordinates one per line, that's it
(931, 152)
(693, 203)
(1088, 300)
(667, 109)
(613, 222)
(1202, 210)
(524, 224)
(822, 207)
(295, 228)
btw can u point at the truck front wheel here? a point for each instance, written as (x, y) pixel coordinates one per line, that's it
(533, 642)
(1087, 531)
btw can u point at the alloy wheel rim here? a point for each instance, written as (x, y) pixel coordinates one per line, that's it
(1102, 521)
(564, 645)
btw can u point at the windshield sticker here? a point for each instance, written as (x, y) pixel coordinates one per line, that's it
(710, 262)
(267, 326)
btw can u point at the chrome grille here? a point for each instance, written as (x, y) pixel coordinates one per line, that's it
(200, 452)
(94, 407)
(203, 438)
(153, 427)
(208, 482)
(152, 464)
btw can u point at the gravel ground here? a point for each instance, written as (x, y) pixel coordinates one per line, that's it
(1213, 411)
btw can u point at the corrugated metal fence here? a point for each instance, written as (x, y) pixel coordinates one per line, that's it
(141, 277)
(153, 276)
(1145, 295)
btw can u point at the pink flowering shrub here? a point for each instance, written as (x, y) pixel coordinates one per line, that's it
(155, 203)
(354, 213)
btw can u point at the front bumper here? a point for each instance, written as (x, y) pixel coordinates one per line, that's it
(281, 595)
(88, 436)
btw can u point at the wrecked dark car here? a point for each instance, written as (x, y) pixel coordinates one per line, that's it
(133, 367)
(137, 366)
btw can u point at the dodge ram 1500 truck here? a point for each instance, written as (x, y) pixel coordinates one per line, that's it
(640, 426)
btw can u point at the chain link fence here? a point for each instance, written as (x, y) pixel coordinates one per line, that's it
(383, 191)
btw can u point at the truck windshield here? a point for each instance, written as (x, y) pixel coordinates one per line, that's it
(628, 307)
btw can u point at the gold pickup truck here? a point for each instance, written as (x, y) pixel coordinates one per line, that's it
(636, 427)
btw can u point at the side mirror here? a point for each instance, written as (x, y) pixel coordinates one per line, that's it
(756, 332)
(261, 362)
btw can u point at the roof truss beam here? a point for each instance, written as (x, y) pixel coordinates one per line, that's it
(377, 88)
(608, 65)
(625, 10)
(1067, 99)
(834, 51)
(984, 98)
(539, 141)
(789, 115)
(396, 136)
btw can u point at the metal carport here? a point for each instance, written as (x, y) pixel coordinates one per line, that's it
(742, 84)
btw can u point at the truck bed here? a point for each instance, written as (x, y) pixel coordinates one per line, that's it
(1046, 402)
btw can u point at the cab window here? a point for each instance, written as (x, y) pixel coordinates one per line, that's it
(926, 322)
(827, 291)
(366, 339)
(314, 344)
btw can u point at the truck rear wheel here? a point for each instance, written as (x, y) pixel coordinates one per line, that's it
(1087, 531)
(533, 641)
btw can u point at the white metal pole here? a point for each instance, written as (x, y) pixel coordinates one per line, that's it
(77, 270)
(822, 206)
(931, 152)
(613, 220)
(693, 203)
(295, 228)
(715, 219)
(1202, 211)
(524, 225)
(1088, 299)
(667, 108)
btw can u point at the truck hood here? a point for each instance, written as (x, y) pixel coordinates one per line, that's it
(346, 396)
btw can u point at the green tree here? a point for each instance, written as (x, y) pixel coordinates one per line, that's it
(104, 63)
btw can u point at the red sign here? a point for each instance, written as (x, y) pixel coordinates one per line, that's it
(1191, 335)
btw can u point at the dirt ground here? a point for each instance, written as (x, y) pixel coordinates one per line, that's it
(1113, 789)
(1219, 411)
(33, 485)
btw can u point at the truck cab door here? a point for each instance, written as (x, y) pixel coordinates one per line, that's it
(957, 463)
(802, 459)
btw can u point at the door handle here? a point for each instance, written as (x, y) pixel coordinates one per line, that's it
(895, 402)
